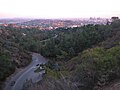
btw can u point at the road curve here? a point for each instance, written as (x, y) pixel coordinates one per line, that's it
(27, 73)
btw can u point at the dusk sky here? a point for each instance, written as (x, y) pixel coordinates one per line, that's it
(59, 8)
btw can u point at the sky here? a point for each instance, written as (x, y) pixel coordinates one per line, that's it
(59, 8)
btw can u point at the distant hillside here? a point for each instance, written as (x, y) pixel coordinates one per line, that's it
(9, 21)
(50, 23)
(38, 22)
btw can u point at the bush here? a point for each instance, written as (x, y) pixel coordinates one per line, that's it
(98, 67)
(6, 66)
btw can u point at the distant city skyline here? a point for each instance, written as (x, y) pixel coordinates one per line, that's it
(55, 9)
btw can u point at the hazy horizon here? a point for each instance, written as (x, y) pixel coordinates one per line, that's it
(55, 9)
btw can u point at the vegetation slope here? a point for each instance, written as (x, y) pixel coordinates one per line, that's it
(82, 58)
